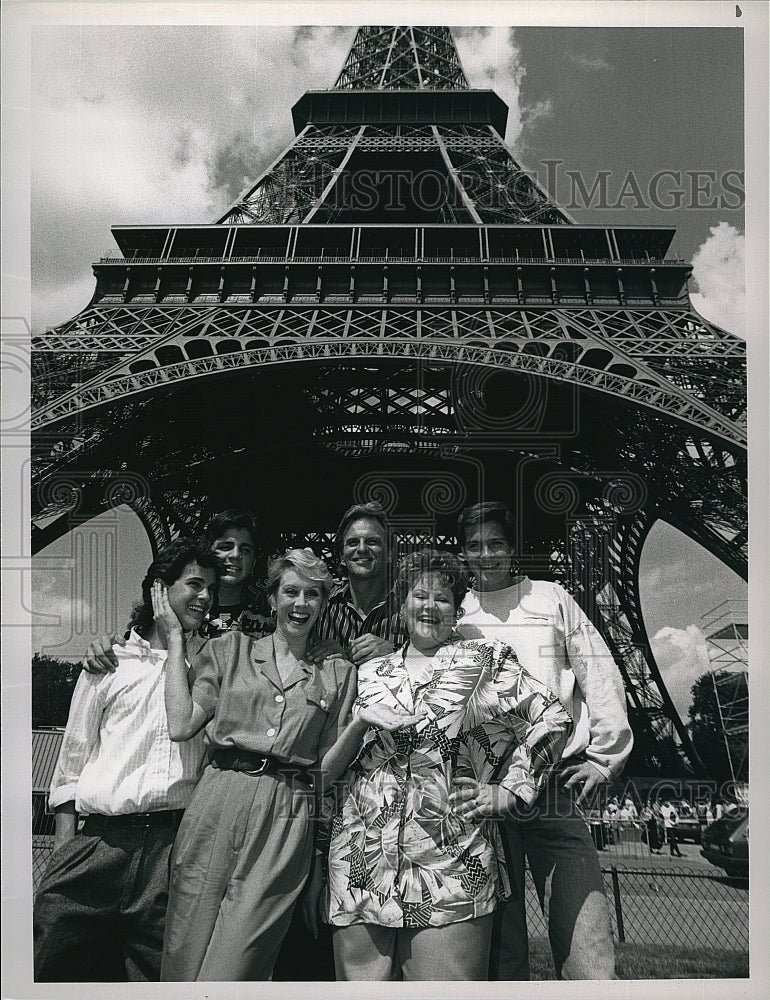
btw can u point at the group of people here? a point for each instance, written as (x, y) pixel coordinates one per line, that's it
(657, 821)
(369, 762)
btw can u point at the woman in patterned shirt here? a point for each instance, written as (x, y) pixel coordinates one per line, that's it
(413, 874)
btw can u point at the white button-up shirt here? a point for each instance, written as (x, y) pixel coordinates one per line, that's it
(116, 756)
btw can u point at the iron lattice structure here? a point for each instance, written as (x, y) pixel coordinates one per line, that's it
(395, 310)
(402, 58)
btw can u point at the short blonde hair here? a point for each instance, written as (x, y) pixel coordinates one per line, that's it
(304, 561)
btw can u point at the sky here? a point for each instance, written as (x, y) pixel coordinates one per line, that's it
(164, 124)
(139, 124)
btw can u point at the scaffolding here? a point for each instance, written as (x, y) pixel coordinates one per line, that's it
(727, 636)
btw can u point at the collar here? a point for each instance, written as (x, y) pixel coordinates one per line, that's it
(392, 671)
(142, 650)
(341, 595)
(263, 653)
(515, 584)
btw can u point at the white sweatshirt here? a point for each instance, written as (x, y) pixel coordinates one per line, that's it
(557, 643)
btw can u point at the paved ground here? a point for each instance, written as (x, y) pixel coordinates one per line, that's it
(682, 902)
(637, 852)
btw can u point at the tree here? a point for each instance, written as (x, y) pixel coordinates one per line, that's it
(706, 728)
(53, 682)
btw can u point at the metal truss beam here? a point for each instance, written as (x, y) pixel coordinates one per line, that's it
(512, 341)
(303, 182)
(402, 58)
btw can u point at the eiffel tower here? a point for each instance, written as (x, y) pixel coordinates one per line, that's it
(396, 310)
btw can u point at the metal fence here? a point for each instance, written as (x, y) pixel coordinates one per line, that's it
(686, 906)
(42, 847)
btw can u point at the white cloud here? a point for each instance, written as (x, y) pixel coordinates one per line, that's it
(682, 656)
(57, 302)
(165, 124)
(61, 616)
(133, 125)
(492, 58)
(718, 268)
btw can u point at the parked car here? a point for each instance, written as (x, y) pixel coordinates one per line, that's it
(688, 826)
(726, 842)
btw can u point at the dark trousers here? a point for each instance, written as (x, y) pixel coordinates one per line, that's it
(100, 909)
(653, 837)
(303, 958)
(565, 869)
(673, 843)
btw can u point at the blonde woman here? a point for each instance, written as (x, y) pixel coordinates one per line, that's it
(245, 845)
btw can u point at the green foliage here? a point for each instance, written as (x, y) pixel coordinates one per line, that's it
(53, 682)
(705, 724)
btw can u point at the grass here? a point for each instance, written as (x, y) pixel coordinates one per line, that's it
(653, 961)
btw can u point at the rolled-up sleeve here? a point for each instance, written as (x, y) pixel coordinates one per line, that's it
(539, 722)
(206, 671)
(327, 798)
(81, 736)
(341, 712)
(598, 676)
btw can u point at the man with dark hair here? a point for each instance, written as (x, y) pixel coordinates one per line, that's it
(557, 643)
(361, 619)
(105, 889)
(241, 604)
(492, 512)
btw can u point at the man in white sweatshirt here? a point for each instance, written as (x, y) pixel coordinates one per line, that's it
(557, 643)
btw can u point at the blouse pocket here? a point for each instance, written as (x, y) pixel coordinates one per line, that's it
(319, 702)
(320, 698)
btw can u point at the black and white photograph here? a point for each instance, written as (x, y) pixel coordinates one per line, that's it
(385, 490)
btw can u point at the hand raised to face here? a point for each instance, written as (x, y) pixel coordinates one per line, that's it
(164, 615)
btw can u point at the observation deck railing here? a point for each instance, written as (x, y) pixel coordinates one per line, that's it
(113, 257)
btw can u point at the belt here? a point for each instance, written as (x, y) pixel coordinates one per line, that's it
(255, 764)
(161, 817)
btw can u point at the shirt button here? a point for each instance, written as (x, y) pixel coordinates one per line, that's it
(323, 702)
(271, 732)
(279, 698)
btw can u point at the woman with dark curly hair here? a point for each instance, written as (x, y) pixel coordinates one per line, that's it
(413, 861)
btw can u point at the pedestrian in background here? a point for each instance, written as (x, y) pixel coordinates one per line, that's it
(670, 819)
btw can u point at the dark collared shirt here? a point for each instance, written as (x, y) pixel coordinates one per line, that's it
(252, 617)
(341, 621)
